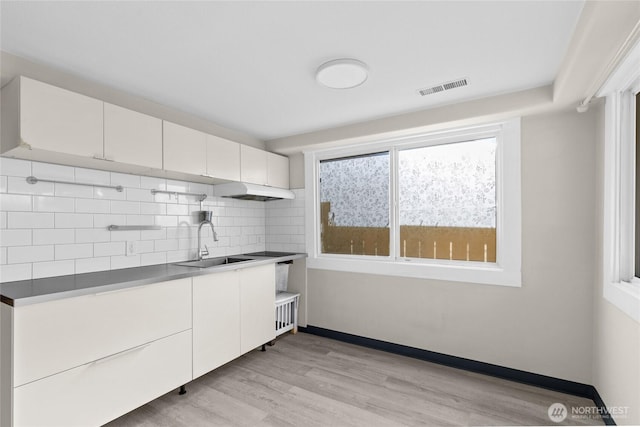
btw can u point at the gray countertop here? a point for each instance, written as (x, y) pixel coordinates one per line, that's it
(33, 291)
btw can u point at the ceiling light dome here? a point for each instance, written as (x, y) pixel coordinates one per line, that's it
(342, 73)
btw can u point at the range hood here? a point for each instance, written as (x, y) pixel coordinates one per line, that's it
(245, 191)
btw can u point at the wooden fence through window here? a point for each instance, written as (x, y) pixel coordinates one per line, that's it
(455, 243)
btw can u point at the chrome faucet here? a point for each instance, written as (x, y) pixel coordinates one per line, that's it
(205, 252)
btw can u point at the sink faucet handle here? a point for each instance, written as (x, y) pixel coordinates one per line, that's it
(205, 251)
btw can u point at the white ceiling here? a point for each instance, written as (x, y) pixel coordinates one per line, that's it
(250, 66)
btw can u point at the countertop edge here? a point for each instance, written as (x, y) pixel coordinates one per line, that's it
(177, 274)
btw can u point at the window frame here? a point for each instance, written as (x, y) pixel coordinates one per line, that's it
(620, 287)
(507, 269)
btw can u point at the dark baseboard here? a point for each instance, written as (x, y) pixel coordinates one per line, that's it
(543, 381)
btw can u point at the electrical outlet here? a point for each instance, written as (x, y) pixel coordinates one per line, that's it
(132, 248)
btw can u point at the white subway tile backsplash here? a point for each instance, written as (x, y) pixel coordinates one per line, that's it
(13, 272)
(53, 204)
(93, 206)
(125, 235)
(109, 249)
(91, 235)
(52, 236)
(177, 209)
(153, 258)
(19, 185)
(108, 193)
(53, 268)
(140, 219)
(166, 220)
(74, 251)
(70, 190)
(55, 225)
(153, 234)
(22, 254)
(166, 245)
(122, 207)
(153, 208)
(30, 220)
(15, 202)
(53, 172)
(146, 246)
(139, 195)
(14, 167)
(88, 265)
(15, 237)
(180, 186)
(92, 176)
(73, 220)
(155, 183)
(125, 261)
(177, 256)
(125, 180)
(105, 220)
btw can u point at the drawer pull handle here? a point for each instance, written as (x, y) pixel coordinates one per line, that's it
(119, 354)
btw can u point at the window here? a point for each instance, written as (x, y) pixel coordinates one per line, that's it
(621, 223)
(354, 205)
(444, 206)
(447, 201)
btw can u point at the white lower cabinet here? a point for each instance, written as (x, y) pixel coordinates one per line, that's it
(233, 313)
(257, 306)
(216, 320)
(86, 360)
(98, 392)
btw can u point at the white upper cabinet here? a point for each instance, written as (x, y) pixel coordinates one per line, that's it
(49, 118)
(264, 168)
(184, 149)
(253, 165)
(132, 137)
(223, 158)
(277, 171)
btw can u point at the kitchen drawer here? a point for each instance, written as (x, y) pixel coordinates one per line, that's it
(98, 392)
(53, 336)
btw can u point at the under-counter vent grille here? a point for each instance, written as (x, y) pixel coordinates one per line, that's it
(442, 87)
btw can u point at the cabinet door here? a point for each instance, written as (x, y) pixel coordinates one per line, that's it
(58, 120)
(277, 170)
(253, 165)
(98, 392)
(257, 306)
(216, 320)
(223, 158)
(184, 149)
(57, 335)
(132, 137)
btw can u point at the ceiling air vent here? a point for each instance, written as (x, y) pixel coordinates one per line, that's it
(443, 86)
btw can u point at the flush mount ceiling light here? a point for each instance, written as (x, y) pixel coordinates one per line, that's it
(342, 73)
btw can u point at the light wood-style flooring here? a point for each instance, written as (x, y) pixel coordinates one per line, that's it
(306, 380)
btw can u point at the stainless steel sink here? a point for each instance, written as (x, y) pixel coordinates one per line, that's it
(211, 262)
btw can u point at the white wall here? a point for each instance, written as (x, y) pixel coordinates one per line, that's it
(56, 229)
(542, 327)
(616, 350)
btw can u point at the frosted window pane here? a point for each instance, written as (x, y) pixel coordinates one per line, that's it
(354, 205)
(447, 201)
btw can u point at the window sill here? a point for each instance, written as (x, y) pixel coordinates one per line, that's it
(625, 296)
(490, 274)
